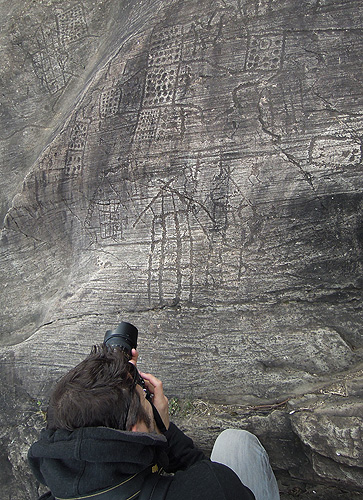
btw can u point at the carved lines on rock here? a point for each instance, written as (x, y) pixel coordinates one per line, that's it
(165, 53)
(48, 61)
(335, 152)
(109, 219)
(219, 198)
(50, 57)
(160, 86)
(109, 102)
(170, 269)
(265, 53)
(76, 147)
(166, 46)
(147, 125)
(72, 24)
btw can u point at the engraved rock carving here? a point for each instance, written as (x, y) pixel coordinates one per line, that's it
(170, 265)
(107, 215)
(335, 152)
(76, 148)
(200, 175)
(170, 249)
(166, 46)
(160, 85)
(164, 59)
(171, 124)
(219, 200)
(110, 219)
(109, 102)
(180, 205)
(147, 126)
(203, 35)
(161, 79)
(265, 53)
(319, 148)
(132, 86)
(71, 24)
(180, 213)
(49, 50)
(49, 60)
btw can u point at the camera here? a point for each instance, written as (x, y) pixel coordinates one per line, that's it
(123, 336)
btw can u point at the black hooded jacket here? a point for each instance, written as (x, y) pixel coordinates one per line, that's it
(87, 460)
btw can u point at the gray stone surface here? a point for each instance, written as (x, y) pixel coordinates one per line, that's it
(194, 168)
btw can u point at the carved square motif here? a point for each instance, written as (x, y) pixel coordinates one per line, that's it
(48, 62)
(48, 71)
(109, 102)
(166, 46)
(265, 52)
(72, 24)
(109, 218)
(74, 162)
(147, 125)
(160, 86)
(78, 136)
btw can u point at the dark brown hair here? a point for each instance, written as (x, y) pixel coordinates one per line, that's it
(99, 391)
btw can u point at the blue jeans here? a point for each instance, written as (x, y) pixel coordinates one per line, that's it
(242, 452)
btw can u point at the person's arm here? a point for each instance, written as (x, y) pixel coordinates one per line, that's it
(159, 400)
(182, 452)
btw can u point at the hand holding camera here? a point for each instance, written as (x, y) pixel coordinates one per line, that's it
(159, 400)
(124, 337)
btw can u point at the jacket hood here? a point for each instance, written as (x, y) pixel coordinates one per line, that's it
(74, 463)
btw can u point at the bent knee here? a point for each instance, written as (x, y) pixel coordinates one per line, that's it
(233, 440)
(234, 435)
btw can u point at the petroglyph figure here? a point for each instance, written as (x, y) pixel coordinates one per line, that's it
(51, 47)
(166, 46)
(110, 219)
(147, 126)
(49, 59)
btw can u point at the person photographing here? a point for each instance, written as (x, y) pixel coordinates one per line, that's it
(109, 437)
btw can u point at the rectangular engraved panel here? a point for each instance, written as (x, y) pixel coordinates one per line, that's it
(74, 162)
(78, 136)
(48, 63)
(71, 24)
(147, 125)
(109, 218)
(76, 147)
(166, 46)
(265, 52)
(109, 102)
(160, 86)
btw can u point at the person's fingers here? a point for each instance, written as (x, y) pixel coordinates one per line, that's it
(134, 356)
(153, 383)
(160, 401)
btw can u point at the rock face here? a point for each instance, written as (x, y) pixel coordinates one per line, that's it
(194, 168)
